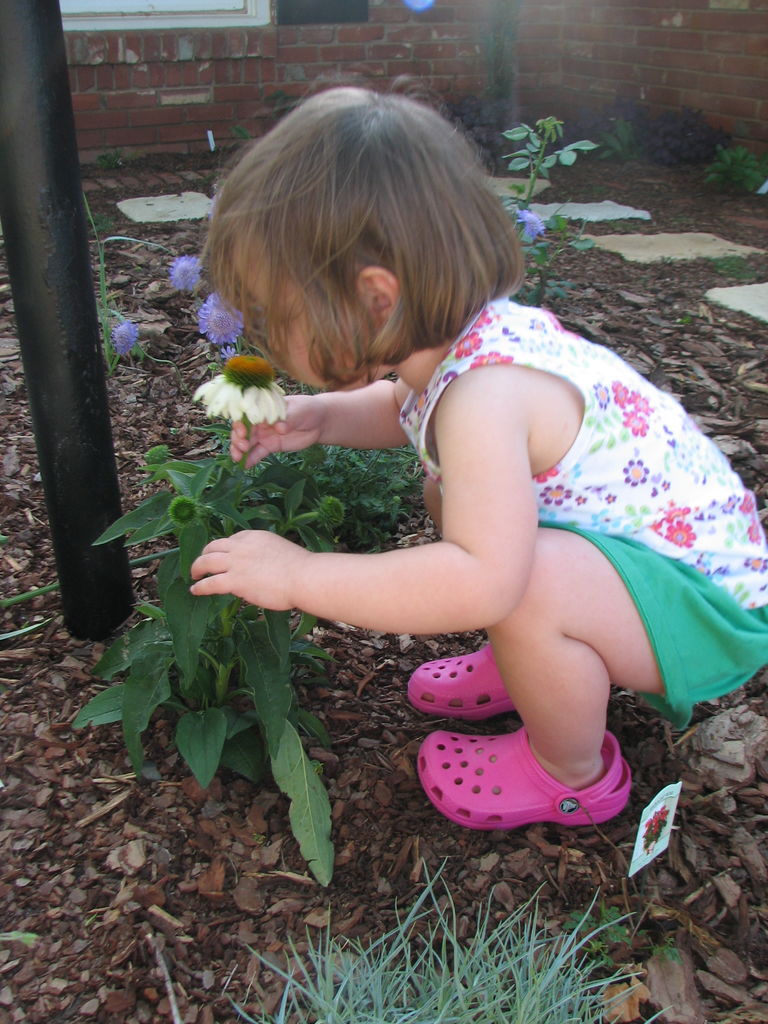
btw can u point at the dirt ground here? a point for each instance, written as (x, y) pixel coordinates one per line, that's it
(116, 876)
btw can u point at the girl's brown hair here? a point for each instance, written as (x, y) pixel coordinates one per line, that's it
(353, 178)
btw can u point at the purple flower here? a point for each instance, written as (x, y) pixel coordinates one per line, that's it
(227, 352)
(221, 324)
(532, 224)
(184, 273)
(124, 337)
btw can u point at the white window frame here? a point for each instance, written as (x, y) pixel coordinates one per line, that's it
(111, 15)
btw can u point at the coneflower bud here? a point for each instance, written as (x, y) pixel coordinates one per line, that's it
(157, 454)
(330, 511)
(182, 511)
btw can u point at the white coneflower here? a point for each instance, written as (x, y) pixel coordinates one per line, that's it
(245, 390)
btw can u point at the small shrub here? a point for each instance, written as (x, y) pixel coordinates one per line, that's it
(738, 168)
(628, 132)
(601, 929)
(620, 143)
(483, 120)
(682, 137)
(375, 488)
(111, 160)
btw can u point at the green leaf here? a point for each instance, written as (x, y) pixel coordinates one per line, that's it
(310, 811)
(518, 164)
(192, 539)
(226, 510)
(181, 481)
(313, 726)
(151, 510)
(239, 720)
(151, 611)
(313, 540)
(188, 617)
(244, 753)
(279, 634)
(305, 625)
(567, 157)
(266, 677)
(145, 689)
(202, 477)
(293, 497)
(200, 737)
(103, 709)
(584, 145)
(24, 630)
(166, 574)
(151, 531)
(119, 656)
(517, 133)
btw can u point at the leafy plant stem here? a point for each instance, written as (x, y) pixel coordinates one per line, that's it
(103, 297)
(104, 311)
(224, 669)
(8, 602)
(165, 362)
(183, 653)
(222, 682)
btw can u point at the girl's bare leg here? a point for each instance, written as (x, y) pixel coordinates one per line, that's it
(576, 631)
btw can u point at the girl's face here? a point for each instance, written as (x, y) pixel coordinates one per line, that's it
(295, 361)
(379, 290)
(297, 353)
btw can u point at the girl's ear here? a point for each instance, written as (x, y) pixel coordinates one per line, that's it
(380, 291)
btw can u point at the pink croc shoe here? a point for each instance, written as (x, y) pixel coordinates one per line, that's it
(468, 687)
(495, 782)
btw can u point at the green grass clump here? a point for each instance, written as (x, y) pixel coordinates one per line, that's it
(735, 267)
(420, 972)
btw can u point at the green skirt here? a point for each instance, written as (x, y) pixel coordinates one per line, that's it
(705, 643)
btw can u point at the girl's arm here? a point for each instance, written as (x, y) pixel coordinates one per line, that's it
(471, 579)
(367, 417)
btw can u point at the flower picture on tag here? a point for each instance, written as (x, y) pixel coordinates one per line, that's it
(655, 827)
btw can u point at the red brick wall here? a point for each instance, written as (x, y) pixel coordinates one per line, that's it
(162, 91)
(711, 55)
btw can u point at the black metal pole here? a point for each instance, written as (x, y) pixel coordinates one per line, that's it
(46, 242)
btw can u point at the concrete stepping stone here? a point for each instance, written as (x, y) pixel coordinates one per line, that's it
(686, 245)
(744, 298)
(605, 210)
(164, 209)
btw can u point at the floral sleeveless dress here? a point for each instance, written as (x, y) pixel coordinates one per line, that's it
(639, 467)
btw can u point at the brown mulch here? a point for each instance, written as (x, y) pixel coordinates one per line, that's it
(118, 876)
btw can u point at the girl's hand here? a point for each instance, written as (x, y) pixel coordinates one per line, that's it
(258, 566)
(300, 429)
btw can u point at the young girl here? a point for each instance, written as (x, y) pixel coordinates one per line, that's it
(586, 523)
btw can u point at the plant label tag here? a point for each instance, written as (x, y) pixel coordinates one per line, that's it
(655, 827)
